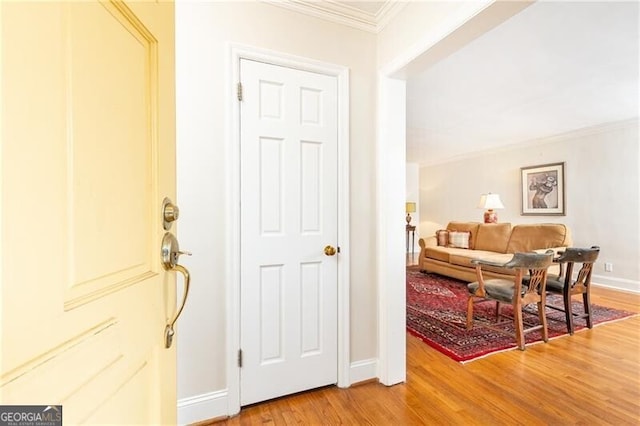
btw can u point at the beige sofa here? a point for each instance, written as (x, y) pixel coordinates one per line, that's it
(491, 241)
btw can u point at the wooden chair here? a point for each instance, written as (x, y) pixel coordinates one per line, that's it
(512, 291)
(571, 259)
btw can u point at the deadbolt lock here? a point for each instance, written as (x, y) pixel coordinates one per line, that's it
(170, 213)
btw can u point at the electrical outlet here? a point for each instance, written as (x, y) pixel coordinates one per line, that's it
(608, 267)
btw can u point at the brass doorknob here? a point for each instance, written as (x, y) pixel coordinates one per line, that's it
(329, 250)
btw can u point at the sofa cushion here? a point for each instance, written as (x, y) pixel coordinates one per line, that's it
(437, 253)
(442, 237)
(466, 226)
(459, 239)
(464, 257)
(538, 236)
(493, 237)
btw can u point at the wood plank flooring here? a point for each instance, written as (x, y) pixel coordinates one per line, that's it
(590, 378)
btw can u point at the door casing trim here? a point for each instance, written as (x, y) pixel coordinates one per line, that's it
(236, 52)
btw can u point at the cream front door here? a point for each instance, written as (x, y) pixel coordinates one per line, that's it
(289, 210)
(88, 153)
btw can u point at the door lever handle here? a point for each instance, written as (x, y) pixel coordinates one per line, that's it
(168, 330)
(170, 252)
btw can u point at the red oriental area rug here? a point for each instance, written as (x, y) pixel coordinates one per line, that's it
(436, 313)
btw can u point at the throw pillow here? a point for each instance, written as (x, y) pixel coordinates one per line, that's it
(459, 239)
(442, 236)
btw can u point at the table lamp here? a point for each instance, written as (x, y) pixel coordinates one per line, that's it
(490, 202)
(410, 208)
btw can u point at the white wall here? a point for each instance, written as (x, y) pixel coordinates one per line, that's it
(601, 184)
(202, 32)
(390, 261)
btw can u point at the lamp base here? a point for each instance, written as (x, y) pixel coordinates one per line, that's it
(490, 216)
(408, 219)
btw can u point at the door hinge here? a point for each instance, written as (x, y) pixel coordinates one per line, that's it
(239, 92)
(240, 358)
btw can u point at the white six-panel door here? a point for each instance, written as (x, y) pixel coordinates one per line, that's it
(88, 153)
(288, 216)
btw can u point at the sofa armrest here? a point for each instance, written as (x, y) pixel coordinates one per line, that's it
(424, 243)
(428, 242)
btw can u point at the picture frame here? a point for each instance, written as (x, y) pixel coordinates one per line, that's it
(542, 190)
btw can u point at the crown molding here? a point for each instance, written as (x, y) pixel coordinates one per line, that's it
(338, 12)
(387, 12)
(583, 132)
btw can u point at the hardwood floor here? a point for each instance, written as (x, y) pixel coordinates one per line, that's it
(590, 378)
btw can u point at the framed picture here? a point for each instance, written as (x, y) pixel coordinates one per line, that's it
(543, 190)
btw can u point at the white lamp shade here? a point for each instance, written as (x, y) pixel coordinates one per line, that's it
(490, 201)
(410, 207)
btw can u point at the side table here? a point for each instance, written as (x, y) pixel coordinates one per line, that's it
(411, 231)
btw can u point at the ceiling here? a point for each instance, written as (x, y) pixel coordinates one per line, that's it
(554, 67)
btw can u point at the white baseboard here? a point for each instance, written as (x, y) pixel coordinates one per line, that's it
(213, 405)
(366, 369)
(616, 283)
(206, 406)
